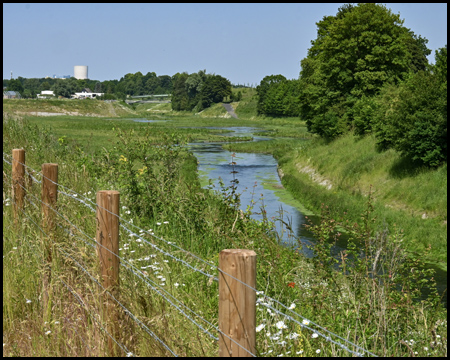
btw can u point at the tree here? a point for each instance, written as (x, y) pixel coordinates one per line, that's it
(15, 85)
(412, 116)
(63, 88)
(356, 52)
(180, 96)
(215, 88)
(263, 88)
(45, 86)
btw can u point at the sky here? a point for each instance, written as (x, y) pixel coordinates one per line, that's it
(241, 42)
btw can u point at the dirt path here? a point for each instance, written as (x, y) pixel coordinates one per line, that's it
(112, 110)
(230, 110)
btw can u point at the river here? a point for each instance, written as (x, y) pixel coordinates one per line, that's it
(259, 181)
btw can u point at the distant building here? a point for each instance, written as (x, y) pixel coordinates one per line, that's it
(11, 95)
(45, 94)
(86, 94)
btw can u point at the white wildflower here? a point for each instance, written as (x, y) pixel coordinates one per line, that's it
(280, 325)
(314, 335)
(318, 351)
(48, 332)
(260, 327)
(292, 306)
(305, 322)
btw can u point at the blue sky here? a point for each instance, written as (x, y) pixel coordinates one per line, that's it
(242, 42)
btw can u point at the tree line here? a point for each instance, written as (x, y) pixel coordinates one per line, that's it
(367, 73)
(130, 84)
(196, 91)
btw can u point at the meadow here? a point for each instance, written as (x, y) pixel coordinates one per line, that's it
(373, 301)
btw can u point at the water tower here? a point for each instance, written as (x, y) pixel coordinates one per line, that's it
(80, 72)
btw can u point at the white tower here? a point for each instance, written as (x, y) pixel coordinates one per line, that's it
(80, 72)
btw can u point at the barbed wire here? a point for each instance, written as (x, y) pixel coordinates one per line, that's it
(123, 260)
(153, 288)
(328, 338)
(149, 233)
(76, 295)
(128, 312)
(301, 324)
(26, 167)
(164, 252)
(75, 196)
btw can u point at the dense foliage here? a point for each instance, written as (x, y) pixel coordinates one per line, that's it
(412, 117)
(356, 52)
(199, 91)
(278, 96)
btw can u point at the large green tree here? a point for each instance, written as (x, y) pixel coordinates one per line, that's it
(263, 88)
(412, 117)
(356, 52)
(180, 98)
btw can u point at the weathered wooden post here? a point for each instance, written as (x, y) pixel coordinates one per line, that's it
(49, 196)
(18, 178)
(108, 252)
(237, 302)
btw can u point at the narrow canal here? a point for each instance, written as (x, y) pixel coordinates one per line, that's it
(260, 186)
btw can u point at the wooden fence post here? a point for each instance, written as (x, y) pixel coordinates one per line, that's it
(107, 246)
(237, 302)
(18, 177)
(49, 197)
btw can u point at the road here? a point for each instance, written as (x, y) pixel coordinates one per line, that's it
(230, 110)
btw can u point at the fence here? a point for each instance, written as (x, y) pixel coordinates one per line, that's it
(237, 291)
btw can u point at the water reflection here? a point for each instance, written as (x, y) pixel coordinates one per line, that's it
(258, 179)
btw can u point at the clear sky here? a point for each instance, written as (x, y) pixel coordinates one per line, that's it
(242, 42)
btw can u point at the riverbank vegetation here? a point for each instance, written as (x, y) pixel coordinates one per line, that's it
(373, 301)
